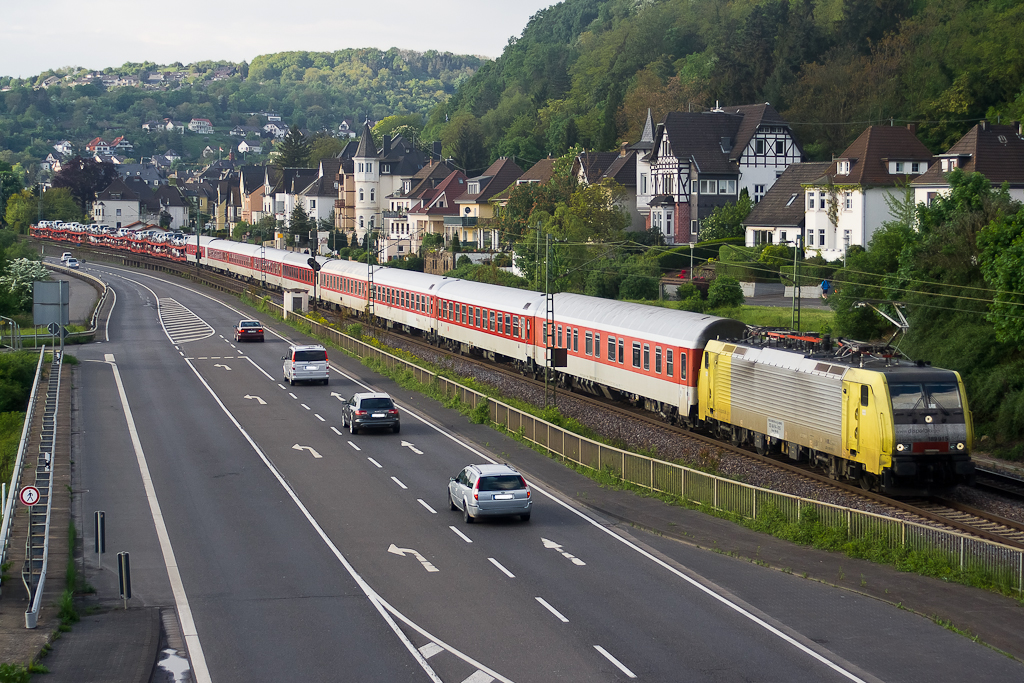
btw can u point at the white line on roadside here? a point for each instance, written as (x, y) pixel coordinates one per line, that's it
(335, 430)
(354, 446)
(395, 479)
(461, 535)
(552, 610)
(498, 565)
(305, 406)
(258, 368)
(614, 661)
(200, 672)
(293, 396)
(424, 504)
(379, 466)
(319, 418)
(282, 386)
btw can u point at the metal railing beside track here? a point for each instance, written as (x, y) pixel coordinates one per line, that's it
(9, 502)
(1001, 563)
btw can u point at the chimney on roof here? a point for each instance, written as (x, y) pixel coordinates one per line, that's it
(983, 124)
(912, 127)
(1018, 126)
(387, 146)
(623, 149)
(435, 148)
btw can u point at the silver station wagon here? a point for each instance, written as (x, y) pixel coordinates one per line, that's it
(490, 491)
(306, 364)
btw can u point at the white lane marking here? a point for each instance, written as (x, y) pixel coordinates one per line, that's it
(335, 430)
(258, 399)
(304, 406)
(218, 365)
(293, 396)
(106, 327)
(383, 608)
(498, 565)
(354, 446)
(379, 466)
(282, 386)
(297, 447)
(461, 535)
(552, 544)
(478, 677)
(551, 609)
(200, 672)
(319, 418)
(222, 337)
(643, 553)
(259, 368)
(430, 649)
(406, 444)
(614, 661)
(338, 396)
(395, 479)
(181, 353)
(402, 552)
(424, 504)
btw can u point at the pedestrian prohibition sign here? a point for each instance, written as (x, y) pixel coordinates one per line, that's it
(29, 495)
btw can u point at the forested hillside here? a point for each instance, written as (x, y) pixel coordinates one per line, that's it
(313, 90)
(587, 70)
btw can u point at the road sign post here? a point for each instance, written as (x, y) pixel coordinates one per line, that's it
(29, 495)
(124, 577)
(100, 536)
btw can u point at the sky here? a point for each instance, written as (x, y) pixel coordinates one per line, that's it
(37, 35)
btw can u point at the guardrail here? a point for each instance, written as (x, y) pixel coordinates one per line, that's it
(100, 285)
(1004, 563)
(37, 543)
(8, 516)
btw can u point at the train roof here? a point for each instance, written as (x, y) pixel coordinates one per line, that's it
(665, 324)
(411, 280)
(487, 295)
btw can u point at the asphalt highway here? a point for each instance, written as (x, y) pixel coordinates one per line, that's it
(293, 550)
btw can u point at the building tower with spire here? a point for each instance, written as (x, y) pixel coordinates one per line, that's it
(366, 163)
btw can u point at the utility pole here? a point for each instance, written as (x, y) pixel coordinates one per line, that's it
(550, 385)
(796, 284)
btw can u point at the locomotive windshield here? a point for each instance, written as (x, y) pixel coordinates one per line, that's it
(943, 396)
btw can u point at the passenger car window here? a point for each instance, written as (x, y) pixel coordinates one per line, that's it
(502, 482)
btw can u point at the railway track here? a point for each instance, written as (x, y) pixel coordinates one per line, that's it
(945, 514)
(998, 482)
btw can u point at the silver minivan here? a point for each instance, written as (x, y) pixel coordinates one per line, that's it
(490, 491)
(306, 364)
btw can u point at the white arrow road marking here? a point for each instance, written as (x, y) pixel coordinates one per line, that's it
(555, 546)
(552, 610)
(297, 447)
(338, 396)
(218, 365)
(402, 552)
(258, 399)
(406, 444)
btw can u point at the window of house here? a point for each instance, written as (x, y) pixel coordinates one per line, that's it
(361, 222)
(643, 183)
(118, 212)
(668, 362)
(727, 187)
(369, 167)
(589, 348)
(709, 187)
(810, 238)
(782, 237)
(780, 148)
(899, 167)
(669, 184)
(931, 198)
(844, 168)
(821, 238)
(360, 194)
(668, 222)
(621, 349)
(657, 359)
(664, 147)
(656, 220)
(915, 167)
(636, 354)
(611, 349)
(810, 200)
(693, 227)
(759, 146)
(848, 200)
(759, 193)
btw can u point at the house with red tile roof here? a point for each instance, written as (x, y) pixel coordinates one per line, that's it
(475, 207)
(847, 204)
(996, 151)
(433, 205)
(98, 146)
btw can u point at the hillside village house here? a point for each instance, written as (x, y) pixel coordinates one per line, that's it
(475, 207)
(780, 215)
(692, 163)
(847, 204)
(404, 230)
(201, 126)
(996, 151)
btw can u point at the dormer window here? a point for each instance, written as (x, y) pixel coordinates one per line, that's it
(474, 188)
(664, 147)
(844, 168)
(899, 166)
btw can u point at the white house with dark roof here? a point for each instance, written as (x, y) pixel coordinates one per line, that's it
(848, 203)
(996, 151)
(201, 126)
(779, 217)
(691, 163)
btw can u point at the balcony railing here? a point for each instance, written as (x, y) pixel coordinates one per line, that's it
(393, 214)
(339, 203)
(460, 221)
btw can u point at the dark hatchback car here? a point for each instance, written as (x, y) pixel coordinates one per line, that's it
(370, 411)
(249, 330)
